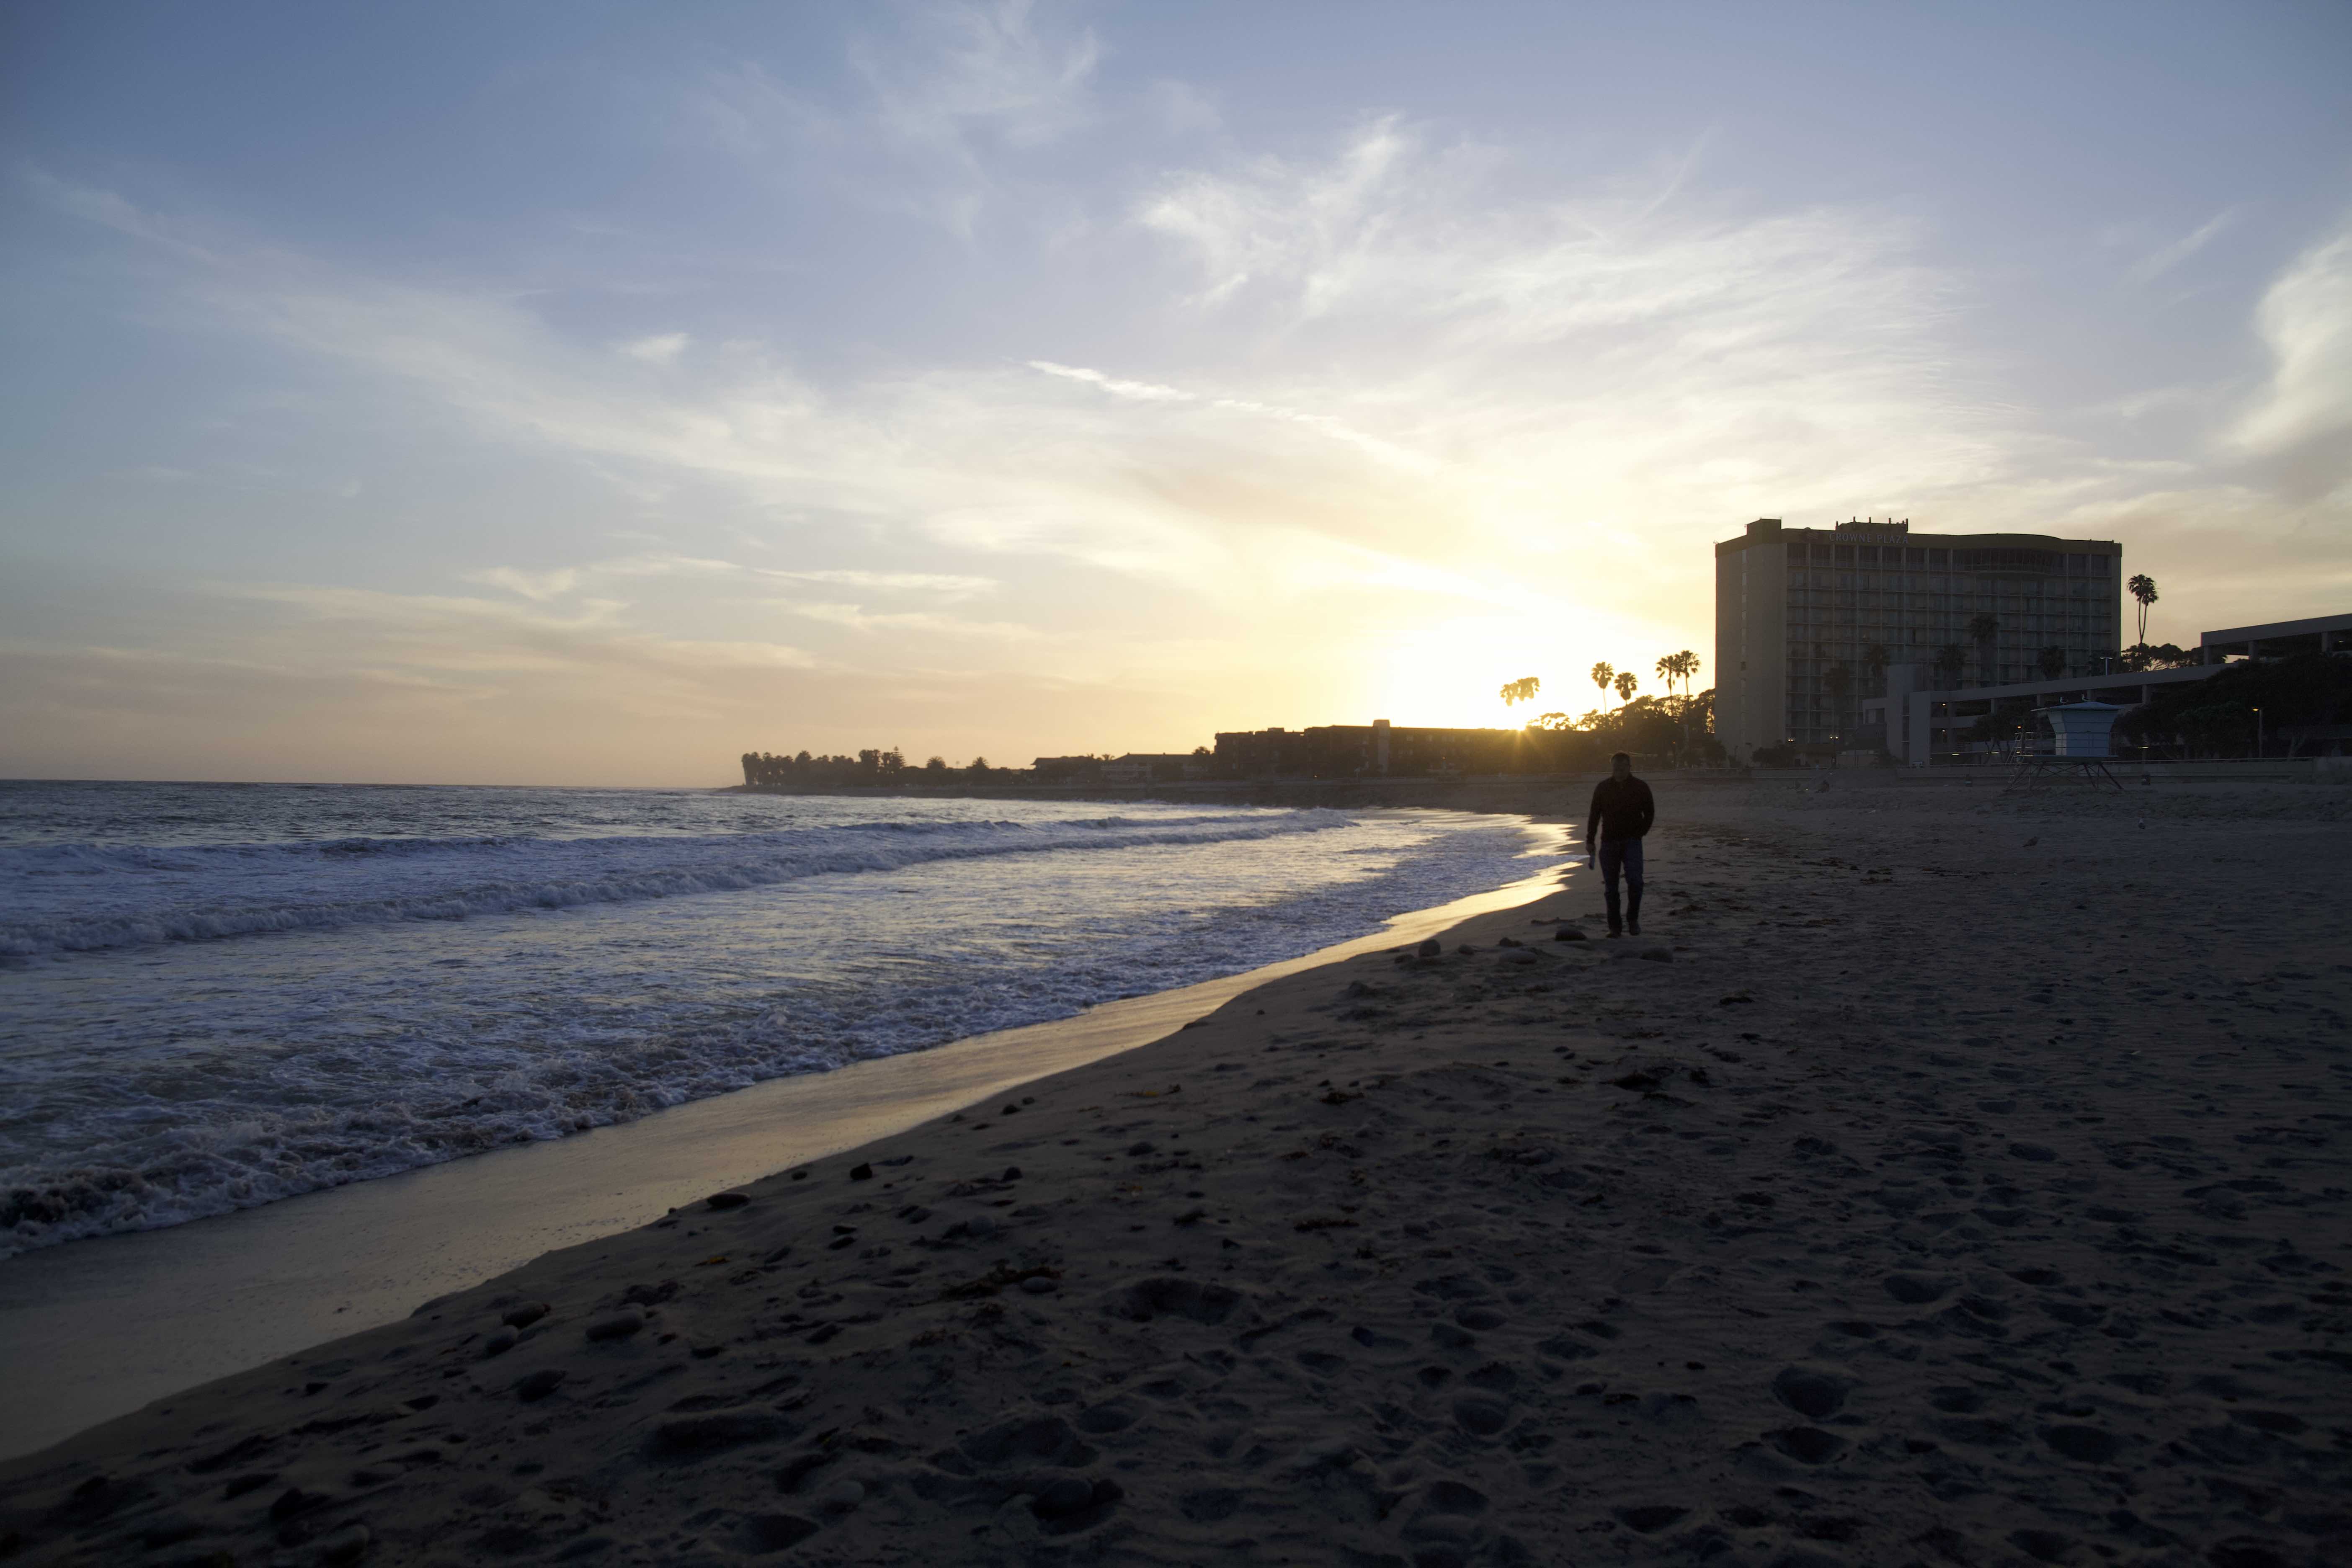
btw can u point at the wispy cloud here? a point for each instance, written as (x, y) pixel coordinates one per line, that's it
(1474, 382)
(1361, 409)
(945, 584)
(2306, 322)
(859, 619)
(962, 70)
(535, 585)
(662, 348)
(1141, 391)
(946, 92)
(2165, 258)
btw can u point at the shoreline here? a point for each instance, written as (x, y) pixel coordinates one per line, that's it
(1965, 1181)
(214, 1296)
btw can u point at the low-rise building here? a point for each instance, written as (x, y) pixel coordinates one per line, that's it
(1153, 767)
(1078, 770)
(1381, 749)
(1917, 721)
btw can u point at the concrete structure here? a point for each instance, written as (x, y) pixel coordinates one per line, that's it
(1381, 750)
(1154, 767)
(1811, 623)
(1917, 721)
(2320, 634)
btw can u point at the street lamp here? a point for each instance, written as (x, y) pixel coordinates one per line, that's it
(2258, 733)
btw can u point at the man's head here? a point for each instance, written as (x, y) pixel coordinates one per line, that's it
(1620, 767)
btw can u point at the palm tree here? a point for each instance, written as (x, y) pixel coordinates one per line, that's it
(2142, 587)
(1679, 666)
(1627, 684)
(2052, 661)
(1951, 664)
(1602, 674)
(1523, 689)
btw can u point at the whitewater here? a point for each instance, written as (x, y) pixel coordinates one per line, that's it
(213, 997)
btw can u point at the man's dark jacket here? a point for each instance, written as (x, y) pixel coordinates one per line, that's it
(1624, 807)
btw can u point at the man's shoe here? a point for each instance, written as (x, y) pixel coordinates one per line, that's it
(1615, 932)
(1634, 927)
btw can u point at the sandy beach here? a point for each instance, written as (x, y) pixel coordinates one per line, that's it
(1941, 1178)
(188, 1303)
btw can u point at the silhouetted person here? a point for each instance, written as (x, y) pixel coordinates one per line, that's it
(1622, 812)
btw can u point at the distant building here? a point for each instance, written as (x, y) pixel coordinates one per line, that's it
(1380, 750)
(1081, 770)
(1153, 767)
(1917, 721)
(1809, 622)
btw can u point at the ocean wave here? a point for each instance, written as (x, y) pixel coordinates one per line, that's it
(123, 1154)
(72, 898)
(195, 1078)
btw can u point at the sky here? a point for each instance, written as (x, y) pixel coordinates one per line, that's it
(583, 392)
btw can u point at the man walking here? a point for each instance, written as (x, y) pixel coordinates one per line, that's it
(1623, 810)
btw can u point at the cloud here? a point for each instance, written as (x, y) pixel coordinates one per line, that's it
(662, 349)
(958, 70)
(1141, 391)
(945, 584)
(534, 585)
(1349, 402)
(2164, 258)
(857, 618)
(948, 98)
(1149, 392)
(2306, 322)
(1612, 347)
(543, 586)
(1463, 366)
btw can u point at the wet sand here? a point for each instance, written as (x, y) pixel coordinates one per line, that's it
(1940, 1179)
(96, 1330)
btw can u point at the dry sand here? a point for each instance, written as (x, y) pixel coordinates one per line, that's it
(1968, 1185)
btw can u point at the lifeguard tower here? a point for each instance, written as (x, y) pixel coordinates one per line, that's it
(2080, 736)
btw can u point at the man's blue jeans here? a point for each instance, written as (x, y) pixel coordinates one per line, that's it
(1622, 856)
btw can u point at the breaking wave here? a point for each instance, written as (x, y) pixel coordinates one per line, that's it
(78, 898)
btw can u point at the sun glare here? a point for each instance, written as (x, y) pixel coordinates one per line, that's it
(1450, 673)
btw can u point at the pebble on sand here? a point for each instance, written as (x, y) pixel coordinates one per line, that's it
(619, 1326)
(538, 1385)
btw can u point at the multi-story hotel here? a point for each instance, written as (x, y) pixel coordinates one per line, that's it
(1807, 622)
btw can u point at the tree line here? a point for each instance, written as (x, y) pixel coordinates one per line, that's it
(1679, 728)
(2256, 702)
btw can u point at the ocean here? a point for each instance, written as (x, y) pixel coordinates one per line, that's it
(217, 995)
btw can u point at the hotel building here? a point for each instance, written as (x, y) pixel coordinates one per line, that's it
(1809, 621)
